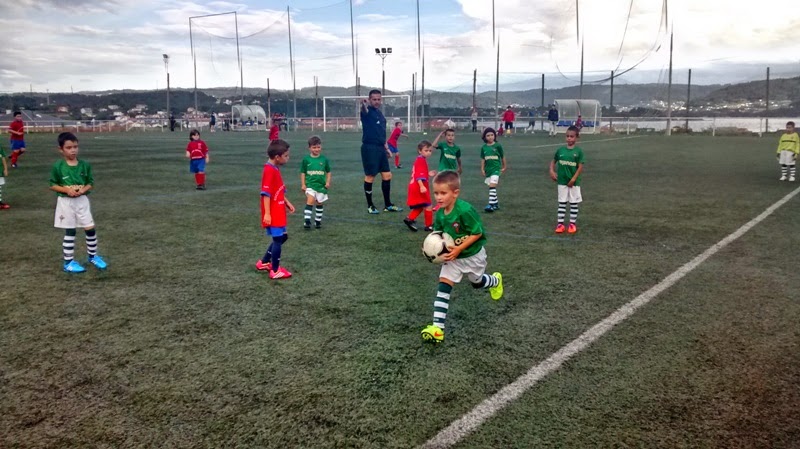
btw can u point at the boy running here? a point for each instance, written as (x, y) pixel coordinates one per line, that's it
(788, 148)
(459, 219)
(397, 132)
(568, 176)
(17, 140)
(315, 180)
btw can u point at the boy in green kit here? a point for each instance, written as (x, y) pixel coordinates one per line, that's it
(459, 219)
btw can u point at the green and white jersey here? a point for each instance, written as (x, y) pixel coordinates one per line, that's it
(448, 160)
(493, 155)
(462, 222)
(316, 170)
(74, 177)
(567, 161)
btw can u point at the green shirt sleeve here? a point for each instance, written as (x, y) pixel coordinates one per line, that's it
(580, 156)
(54, 176)
(303, 165)
(500, 151)
(327, 165)
(483, 152)
(458, 153)
(89, 175)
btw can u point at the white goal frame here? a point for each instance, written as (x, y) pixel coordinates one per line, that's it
(361, 97)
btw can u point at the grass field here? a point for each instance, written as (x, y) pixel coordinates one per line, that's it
(181, 343)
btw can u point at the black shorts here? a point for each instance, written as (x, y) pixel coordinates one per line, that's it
(509, 125)
(374, 159)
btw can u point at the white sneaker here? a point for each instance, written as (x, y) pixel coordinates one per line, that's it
(791, 178)
(783, 178)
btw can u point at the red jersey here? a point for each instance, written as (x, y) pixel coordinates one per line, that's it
(197, 149)
(17, 125)
(273, 132)
(273, 187)
(419, 173)
(508, 116)
(393, 138)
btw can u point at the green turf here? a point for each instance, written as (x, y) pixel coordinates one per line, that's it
(183, 344)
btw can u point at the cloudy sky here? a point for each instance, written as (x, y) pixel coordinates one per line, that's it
(86, 45)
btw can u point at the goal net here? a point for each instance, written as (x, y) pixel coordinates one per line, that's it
(590, 112)
(341, 113)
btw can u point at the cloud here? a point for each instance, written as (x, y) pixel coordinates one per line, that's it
(67, 6)
(379, 17)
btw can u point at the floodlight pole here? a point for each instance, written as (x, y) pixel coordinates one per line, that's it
(669, 89)
(383, 53)
(166, 68)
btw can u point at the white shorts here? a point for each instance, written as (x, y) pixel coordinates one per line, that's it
(787, 158)
(473, 266)
(2, 181)
(318, 196)
(494, 179)
(569, 194)
(73, 213)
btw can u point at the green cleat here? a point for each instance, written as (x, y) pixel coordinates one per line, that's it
(433, 334)
(497, 292)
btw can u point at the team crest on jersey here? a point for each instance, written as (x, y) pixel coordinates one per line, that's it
(457, 227)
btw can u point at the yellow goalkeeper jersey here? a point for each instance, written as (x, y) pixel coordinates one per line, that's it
(789, 142)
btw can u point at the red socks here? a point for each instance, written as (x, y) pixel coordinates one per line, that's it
(428, 218)
(200, 178)
(414, 214)
(14, 157)
(397, 160)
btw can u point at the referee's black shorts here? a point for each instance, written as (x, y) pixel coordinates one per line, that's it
(374, 159)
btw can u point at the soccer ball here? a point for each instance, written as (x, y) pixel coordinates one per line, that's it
(436, 245)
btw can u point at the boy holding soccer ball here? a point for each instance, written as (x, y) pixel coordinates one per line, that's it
(273, 209)
(71, 178)
(459, 219)
(788, 148)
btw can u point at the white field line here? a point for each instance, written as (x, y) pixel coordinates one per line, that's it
(561, 144)
(460, 428)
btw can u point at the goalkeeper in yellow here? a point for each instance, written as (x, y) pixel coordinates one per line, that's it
(788, 149)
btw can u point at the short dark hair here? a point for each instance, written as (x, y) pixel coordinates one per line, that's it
(422, 145)
(193, 132)
(277, 148)
(448, 177)
(790, 123)
(374, 91)
(449, 130)
(64, 137)
(16, 113)
(314, 140)
(487, 131)
(398, 123)
(574, 128)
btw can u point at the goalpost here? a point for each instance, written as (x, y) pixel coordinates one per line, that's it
(591, 113)
(353, 121)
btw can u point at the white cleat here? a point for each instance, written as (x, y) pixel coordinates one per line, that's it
(783, 178)
(791, 178)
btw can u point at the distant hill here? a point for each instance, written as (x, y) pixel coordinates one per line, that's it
(633, 96)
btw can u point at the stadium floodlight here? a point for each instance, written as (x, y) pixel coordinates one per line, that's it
(166, 68)
(383, 52)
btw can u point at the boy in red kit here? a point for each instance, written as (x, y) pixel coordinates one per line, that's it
(397, 132)
(275, 130)
(197, 152)
(419, 194)
(273, 209)
(17, 131)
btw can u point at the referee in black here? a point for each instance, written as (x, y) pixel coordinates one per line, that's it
(375, 153)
